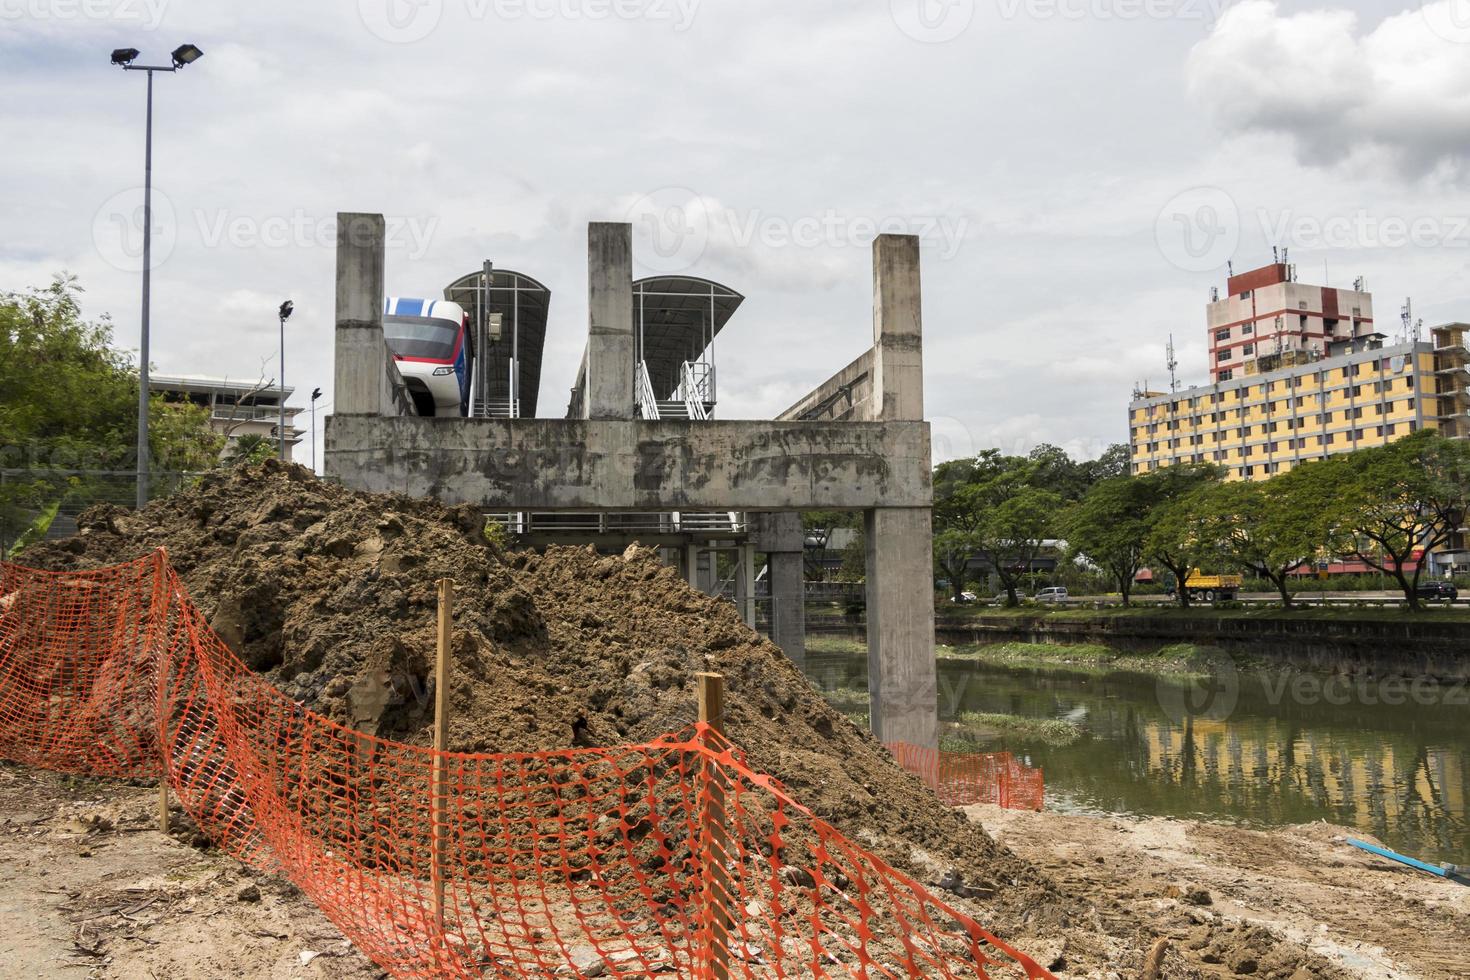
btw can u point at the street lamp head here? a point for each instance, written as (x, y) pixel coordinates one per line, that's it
(124, 56)
(286, 309)
(186, 54)
(316, 393)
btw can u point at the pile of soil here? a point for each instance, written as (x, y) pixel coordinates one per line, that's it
(330, 593)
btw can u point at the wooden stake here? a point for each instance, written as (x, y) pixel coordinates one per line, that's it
(718, 892)
(163, 804)
(439, 784)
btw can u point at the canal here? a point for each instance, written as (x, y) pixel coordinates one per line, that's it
(1261, 747)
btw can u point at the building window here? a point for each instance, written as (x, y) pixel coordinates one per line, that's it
(1222, 334)
(1225, 375)
(1248, 350)
(1248, 328)
(1225, 355)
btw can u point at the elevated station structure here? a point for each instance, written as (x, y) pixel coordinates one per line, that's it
(508, 312)
(611, 459)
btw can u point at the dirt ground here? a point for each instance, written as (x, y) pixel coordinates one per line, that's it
(1226, 894)
(91, 889)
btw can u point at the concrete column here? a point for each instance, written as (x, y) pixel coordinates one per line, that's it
(691, 565)
(745, 583)
(898, 346)
(901, 666)
(362, 363)
(902, 672)
(780, 537)
(610, 366)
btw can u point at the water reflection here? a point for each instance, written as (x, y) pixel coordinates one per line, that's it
(1399, 771)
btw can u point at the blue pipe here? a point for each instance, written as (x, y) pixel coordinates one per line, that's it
(1448, 871)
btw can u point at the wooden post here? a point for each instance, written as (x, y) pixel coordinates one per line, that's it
(439, 788)
(716, 834)
(163, 803)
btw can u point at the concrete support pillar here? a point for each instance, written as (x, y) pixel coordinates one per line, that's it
(691, 565)
(898, 343)
(780, 536)
(745, 583)
(361, 369)
(902, 679)
(610, 365)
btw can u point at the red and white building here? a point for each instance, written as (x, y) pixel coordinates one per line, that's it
(1269, 321)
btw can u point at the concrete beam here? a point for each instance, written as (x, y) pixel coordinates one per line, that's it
(560, 464)
(846, 395)
(898, 346)
(609, 374)
(902, 682)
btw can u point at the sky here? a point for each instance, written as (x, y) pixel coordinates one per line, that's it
(1079, 173)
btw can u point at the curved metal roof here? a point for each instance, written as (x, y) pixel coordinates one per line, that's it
(524, 303)
(675, 319)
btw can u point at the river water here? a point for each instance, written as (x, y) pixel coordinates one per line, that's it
(1262, 748)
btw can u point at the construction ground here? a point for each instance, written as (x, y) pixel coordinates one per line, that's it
(328, 593)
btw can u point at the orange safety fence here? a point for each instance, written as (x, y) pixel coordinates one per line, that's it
(966, 778)
(666, 857)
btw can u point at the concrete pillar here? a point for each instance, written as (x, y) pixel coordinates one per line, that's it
(781, 538)
(610, 366)
(898, 345)
(691, 565)
(902, 678)
(901, 667)
(362, 370)
(745, 583)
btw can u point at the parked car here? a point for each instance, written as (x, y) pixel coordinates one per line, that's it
(966, 597)
(1055, 593)
(1443, 591)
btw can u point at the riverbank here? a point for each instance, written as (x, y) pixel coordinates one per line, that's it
(1241, 900)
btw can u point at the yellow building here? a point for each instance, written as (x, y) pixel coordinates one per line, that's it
(1277, 415)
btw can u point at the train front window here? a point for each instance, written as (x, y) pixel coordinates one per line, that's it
(421, 336)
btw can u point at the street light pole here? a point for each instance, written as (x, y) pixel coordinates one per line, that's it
(184, 54)
(315, 394)
(285, 314)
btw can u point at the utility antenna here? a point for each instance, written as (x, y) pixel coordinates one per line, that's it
(1173, 364)
(1406, 314)
(1358, 285)
(1275, 255)
(1229, 267)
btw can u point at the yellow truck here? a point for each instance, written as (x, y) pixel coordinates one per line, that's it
(1208, 588)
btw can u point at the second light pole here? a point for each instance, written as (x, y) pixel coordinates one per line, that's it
(285, 314)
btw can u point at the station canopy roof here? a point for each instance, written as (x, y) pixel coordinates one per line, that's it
(523, 303)
(675, 319)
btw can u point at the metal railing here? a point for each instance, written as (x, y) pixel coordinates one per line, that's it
(695, 390)
(647, 400)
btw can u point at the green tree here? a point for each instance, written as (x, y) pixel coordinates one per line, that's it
(1107, 528)
(1270, 529)
(1012, 534)
(1178, 537)
(1395, 504)
(251, 449)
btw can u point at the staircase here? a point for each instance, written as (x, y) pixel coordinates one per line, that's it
(494, 408)
(673, 410)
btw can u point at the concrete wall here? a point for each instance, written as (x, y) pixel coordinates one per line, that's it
(560, 464)
(847, 395)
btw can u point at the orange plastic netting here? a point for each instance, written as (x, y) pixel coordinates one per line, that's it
(669, 857)
(964, 778)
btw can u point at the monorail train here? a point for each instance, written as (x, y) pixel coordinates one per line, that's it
(430, 340)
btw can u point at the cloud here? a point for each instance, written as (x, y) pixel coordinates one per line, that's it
(1396, 94)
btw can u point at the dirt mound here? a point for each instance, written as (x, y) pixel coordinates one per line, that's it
(331, 594)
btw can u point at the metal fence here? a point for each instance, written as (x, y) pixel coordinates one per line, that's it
(28, 494)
